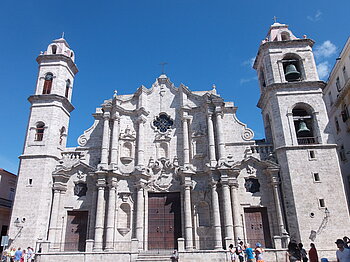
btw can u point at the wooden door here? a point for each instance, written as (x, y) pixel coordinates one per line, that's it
(164, 220)
(76, 231)
(257, 226)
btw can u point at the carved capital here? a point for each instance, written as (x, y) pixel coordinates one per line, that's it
(106, 115)
(112, 182)
(101, 183)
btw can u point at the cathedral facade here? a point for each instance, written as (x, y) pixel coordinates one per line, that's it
(169, 168)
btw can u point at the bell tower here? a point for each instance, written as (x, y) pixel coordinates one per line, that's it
(45, 140)
(296, 123)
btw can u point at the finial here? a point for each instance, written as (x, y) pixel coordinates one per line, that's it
(214, 86)
(115, 93)
(304, 36)
(163, 65)
(275, 19)
(62, 35)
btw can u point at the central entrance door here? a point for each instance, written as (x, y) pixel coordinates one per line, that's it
(257, 226)
(76, 231)
(164, 220)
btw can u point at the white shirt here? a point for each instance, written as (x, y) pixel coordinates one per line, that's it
(343, 256)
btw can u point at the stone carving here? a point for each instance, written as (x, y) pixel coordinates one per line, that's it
(80, 189)
(84, 138)
(250, 170)
(248, 134)
(162, 173)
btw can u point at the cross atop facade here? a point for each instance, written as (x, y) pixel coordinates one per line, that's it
(163, 65)
(275, 19)
(62, 35)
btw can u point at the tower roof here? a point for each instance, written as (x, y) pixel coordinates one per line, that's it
(279, 32)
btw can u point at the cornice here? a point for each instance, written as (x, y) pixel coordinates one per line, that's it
(40, 99)
(58, 57)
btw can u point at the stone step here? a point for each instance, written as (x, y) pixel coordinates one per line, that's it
(144, 257)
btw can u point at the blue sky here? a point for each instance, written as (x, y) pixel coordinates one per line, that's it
(119, 45)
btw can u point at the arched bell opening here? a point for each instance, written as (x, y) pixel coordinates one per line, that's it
(304, 125)
(292, 68)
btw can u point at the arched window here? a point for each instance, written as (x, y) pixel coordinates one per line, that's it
(292, 68)
(47, 83)
(39, 131)
(54, 49)
(304, 125)
(67, 88)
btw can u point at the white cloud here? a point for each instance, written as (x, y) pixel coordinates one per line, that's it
(249, 62)
(315, 17)
(247, 80)
(323, 70)
(325, 50)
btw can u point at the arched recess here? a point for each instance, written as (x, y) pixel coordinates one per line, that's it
(305, 124)
(285, 36)
(124, 219)
(163, 150)
(54, 49)
(293, 68)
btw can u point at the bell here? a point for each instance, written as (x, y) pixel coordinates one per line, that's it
(303, 128)
(292, 74)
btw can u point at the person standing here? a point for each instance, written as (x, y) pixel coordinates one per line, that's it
(302, 252)
(240, 251)
(232, 253)
(259, 252)
(293, 252)
(18, 255)
(313, 253)
(343, 254)
(249, 252)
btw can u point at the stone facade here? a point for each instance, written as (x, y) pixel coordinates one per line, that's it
(336, 95)
(167, 167)
(8, 183)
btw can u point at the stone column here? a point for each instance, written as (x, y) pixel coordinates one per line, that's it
(186, 148)
(236, 212)
(54, 237)
(216, 216)
(100, 214)
(293, 135)
(276, 195)
(226, 199)
(140, 141)
(211, 140)
(115, 141)
(145, 217)
(105, 140)
(140, 215)
(188, 215)
(220, 135)
(111, 213)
